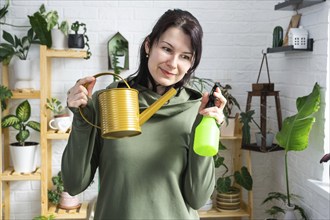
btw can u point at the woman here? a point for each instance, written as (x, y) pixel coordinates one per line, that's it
(155, 175)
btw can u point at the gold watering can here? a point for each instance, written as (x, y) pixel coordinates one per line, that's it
(119, 110)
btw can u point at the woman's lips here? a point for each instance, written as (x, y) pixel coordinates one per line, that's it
(166, 73)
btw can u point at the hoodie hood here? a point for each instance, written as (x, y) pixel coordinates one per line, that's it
(186, 99)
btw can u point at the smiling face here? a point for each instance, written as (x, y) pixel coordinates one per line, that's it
(170, 58)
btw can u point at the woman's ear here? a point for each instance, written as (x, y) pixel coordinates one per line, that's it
(147, 45)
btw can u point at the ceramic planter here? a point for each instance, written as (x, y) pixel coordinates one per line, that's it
(23, 74)
(289, 213)
(76, 41)
(228, 129)
(59, 40)
(24, 157)
(230, 201)
(269, 139)
(68, 202)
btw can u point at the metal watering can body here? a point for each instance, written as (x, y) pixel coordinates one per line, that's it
(119, 111)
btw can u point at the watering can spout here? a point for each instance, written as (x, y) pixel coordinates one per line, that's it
(152, 109)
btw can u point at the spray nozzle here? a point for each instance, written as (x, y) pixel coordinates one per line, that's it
(210, 103)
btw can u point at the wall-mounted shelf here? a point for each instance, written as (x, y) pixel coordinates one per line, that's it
(290, 48)
(292, 5)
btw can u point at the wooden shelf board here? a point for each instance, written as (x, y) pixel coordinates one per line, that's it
(10, 175)
(79, 213)
(292, 5)
(57, 135)
(255, 147)
(26, 94)
(69, 53)
(230, 137)
(214, 213)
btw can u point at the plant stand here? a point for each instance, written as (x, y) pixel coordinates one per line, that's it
(263, 90)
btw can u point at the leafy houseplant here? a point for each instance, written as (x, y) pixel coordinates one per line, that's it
(20, 122)
(56, 106)
(79, 40)
(58, 196)
(22, 152)
(42, 217)
(5, 94)
(228, 195)
(15, 46)
(118, 57)
(294, 137)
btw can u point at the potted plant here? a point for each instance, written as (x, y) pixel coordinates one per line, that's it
(228, 194)
(62, 119)
(246, 118)
(48, 29)
(79, 39)
(5, 94)
(18, 47)
(276, 210)
(294, 136)
(22, 152)
(119, 55)
(58, 196)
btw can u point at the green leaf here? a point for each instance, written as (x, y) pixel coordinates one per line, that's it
(22, 136)
(7, 37)
(23, 111)
(223, 184)
(295, 129)
(9, 120)
(34, 125)
(244, 178)
(39, 25)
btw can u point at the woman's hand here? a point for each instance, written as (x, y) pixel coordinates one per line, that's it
(78, 95)
(216, 111)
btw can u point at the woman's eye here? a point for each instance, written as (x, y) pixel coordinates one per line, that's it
(186, 57)
(167, 49)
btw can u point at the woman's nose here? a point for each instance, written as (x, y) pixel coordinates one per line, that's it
(172, 61)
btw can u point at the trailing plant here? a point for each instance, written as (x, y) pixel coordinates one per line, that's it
(54, 195)
(21, 122)
(5, 94)
(226, 182)
(75, 27)
(120, 49)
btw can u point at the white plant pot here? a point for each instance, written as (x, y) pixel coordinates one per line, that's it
(68, 202)
(59, 40)
(24, 157)
(289, 213)
(120, 60)
(269, 139)
(208, 205)
(228, 129)
(23, 74)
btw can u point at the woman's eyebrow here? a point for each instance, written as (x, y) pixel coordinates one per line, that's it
(189, 52)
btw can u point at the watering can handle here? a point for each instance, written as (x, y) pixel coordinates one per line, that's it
(86, 85)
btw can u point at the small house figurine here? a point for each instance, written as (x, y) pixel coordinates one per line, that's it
(298, 37)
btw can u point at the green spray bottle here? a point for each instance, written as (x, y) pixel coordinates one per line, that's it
(207, 133)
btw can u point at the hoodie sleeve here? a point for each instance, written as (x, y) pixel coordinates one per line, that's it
(200, 175)
(80, 158)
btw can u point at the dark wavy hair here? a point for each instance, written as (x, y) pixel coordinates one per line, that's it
(171, 18)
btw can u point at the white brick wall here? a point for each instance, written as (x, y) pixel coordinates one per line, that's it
(235, 33)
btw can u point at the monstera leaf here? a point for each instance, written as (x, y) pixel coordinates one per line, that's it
(295, 129)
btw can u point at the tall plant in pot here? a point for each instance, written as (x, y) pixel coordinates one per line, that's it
(22, 152)
(294, 136)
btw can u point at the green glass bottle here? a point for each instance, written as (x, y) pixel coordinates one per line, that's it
(207, 133)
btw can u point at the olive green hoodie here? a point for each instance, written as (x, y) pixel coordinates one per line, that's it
(155, 175)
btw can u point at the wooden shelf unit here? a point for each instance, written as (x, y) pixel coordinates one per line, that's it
(46, 136)
(237, 154)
